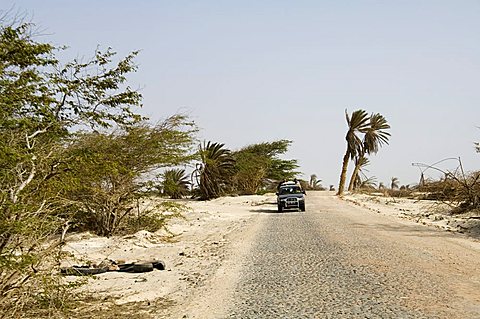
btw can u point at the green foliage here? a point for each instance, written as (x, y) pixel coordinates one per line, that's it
(175, 183)
(251, 171)
(215, 172)
(40, 102)
(357, 123)
(106, 180)
(152, 218)
(258, 164)
(375, 136)
(374, 129)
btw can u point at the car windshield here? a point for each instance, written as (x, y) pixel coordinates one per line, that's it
(290, 190)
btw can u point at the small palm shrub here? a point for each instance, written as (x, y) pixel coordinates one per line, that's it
(175, 183)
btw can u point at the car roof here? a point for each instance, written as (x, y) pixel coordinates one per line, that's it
(290, 186)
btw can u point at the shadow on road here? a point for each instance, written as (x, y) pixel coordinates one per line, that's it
(272, 211)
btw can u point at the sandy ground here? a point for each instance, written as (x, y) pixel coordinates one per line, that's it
(212, 239)
(193, 249)
(428, 213)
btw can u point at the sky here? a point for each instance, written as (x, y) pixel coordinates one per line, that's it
(258, 71)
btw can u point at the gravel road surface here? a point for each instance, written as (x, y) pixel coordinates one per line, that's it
(341, 261)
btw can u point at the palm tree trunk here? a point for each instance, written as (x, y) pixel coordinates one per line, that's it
(343, 176)
(353, 178)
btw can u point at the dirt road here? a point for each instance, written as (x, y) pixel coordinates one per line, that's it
(340, 261)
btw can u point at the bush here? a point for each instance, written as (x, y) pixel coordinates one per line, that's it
(153, 218)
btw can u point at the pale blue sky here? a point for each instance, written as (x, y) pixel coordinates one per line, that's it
(254, 71)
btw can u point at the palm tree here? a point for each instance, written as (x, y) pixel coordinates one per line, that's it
(317, 185)
(368, 182)
(314, 183)
(357, 123)
(375, 137)
(313, 180)
(175, 183)
(360, 166)
(394, 183)
(215, 170)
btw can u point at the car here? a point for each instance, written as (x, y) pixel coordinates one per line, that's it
(290, 196)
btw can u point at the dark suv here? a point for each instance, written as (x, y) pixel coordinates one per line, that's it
(290, 196)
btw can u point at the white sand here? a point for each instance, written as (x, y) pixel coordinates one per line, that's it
(192, 254)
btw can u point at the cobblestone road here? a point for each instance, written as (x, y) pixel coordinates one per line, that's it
(328, 264)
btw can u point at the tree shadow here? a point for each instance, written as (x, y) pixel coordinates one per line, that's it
(272, 210)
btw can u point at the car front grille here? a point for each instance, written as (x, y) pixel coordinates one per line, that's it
(291, 202)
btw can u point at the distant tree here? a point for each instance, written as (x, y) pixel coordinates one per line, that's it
(381, 186)
(315, 183)
(375, 136)
(394, 183)
(360, 165)
(357, 123)
(368, 182)
(259, 164)
(215, 171)
(175, 183)
(250, 172)
(279, 169)
(303, 183)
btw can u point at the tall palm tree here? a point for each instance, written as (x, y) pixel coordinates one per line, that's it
(376, 136)
(215, 170)
(357, 123)
(175, 183)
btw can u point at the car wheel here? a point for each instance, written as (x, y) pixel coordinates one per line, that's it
(302, 207)
(280, 208)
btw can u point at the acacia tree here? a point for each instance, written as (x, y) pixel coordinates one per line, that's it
(375, 136)
(357, 123)
(257, 165)
(106, 179)
(251, 171)
(40, 102)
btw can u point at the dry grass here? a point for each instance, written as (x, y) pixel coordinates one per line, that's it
(90, 306)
